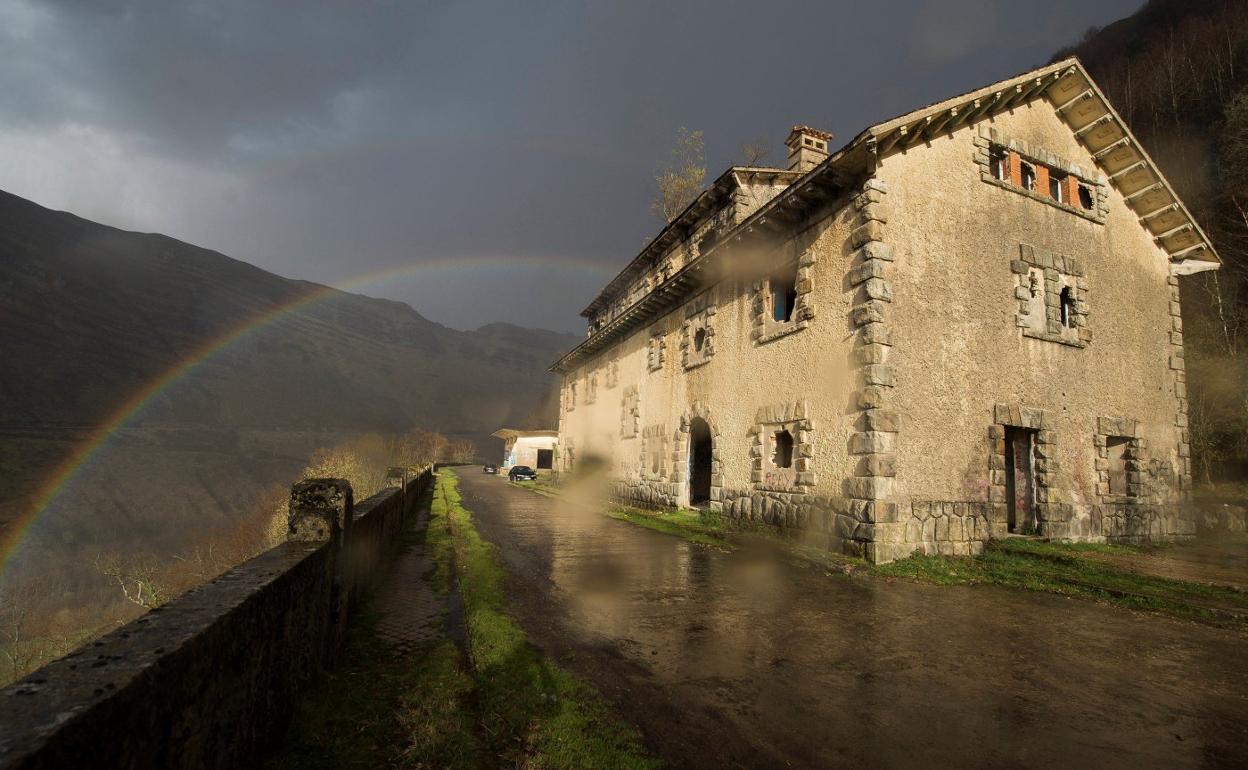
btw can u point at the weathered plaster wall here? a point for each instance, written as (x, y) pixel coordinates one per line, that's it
(740, 378)
(960, 352)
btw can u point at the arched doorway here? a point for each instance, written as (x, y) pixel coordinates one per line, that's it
(701, 451)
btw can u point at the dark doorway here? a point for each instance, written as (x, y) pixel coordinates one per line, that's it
(700, 451)
(1020, 479)
(545, 459)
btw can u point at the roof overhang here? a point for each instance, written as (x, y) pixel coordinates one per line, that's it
(683, 225)
(1098, 127)
(507, 434)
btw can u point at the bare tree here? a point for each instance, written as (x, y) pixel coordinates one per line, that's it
(754, 153)
(137, 576)
(681, 180)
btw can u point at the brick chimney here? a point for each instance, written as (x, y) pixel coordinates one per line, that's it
(807, 148)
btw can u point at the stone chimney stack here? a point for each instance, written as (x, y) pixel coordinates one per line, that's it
(807, 148)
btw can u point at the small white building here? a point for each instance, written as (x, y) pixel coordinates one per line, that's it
(534, 448)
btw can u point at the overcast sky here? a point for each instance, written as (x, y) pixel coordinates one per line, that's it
(510, 146)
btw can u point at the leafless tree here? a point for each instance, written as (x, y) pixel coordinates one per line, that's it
(754, 153)
(682, 180)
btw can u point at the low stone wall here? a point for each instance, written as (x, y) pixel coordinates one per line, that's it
(210, 679)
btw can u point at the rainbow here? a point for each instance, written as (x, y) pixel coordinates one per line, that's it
(129, 409)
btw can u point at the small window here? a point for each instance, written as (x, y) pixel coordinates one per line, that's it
(1067, 303)
(1028, 176)
(699, 340)
(783, 455)
(1057, 187)
(656, 461)
(1116, 447)
(783, 285)
(999, 163)
(1085, 197)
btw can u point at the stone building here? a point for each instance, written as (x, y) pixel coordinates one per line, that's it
(961, 324)
(533, 448)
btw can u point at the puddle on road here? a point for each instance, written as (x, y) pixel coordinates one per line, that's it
(764, 663)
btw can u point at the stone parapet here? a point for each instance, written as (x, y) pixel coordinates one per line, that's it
(210, 679)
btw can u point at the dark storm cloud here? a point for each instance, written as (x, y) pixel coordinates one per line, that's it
(326, 140)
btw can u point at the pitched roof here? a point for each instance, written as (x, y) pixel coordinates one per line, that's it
(1097, 126)
(1066, 84)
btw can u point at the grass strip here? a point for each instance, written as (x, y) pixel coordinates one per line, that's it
(1068, 569)
(533, 713)
(703, 528)
(377, 710)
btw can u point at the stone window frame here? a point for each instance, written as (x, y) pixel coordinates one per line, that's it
(591, 388)
(766, 328)
(990, 141)
(1058, 272)
(571, 395)
(1049, 507)
(613, 370)
(656, 351)
(630, 413)
(769, 420)
(654, 442)
(1136, 458)
(698, 316)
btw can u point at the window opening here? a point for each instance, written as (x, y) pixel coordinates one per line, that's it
(999, 164)
(699, 340)
(1067, 307)
(1028, 176)
(783, 294)
(1116, 447)
(783, 455)
(1085, 197)
(1057, 187)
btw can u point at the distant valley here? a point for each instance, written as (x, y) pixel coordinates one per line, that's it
(254, 373)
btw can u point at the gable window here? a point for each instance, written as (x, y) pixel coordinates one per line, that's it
(1085, 197)
(1057, 187)
(1038, 174)
(782, 457)
(999, 164)
(1027, 176)
(699, 340)
(783, 285)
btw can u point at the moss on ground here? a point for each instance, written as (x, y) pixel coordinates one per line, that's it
(533, 713)
(497, 704)
(376, 710)
(705, 528)
(1068, 569)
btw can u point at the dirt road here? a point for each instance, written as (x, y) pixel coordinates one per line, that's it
(740, 660)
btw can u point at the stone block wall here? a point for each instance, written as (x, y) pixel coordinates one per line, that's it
(209, 679)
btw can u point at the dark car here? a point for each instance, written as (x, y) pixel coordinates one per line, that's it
(488, 468)
(522, 473)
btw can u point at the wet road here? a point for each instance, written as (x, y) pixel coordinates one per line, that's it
(737, 660)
